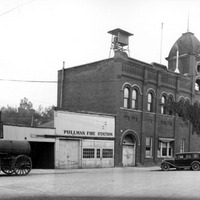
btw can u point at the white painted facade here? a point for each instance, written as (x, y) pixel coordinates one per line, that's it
(11, 132)
(80, 140)
(84, 140)
(84, 125)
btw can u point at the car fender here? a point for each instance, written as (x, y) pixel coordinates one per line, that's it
(195, 162)
(170, 164)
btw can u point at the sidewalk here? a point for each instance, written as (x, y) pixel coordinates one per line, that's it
(60, 171)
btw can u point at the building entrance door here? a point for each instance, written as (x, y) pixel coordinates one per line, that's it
(128, 156)
(129, 145)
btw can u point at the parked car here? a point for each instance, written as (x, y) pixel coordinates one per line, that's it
(186, 160)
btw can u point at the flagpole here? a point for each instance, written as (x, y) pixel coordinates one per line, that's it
(161, 43)
(188, 22)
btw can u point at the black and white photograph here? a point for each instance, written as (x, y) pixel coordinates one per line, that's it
(100, 99)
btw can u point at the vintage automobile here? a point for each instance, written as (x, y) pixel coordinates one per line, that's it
(186, 160)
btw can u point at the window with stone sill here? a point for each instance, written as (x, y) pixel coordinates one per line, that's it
(130, 98)
(134, 99)
(163, 105)
(149, 146)
(150, 102)
(165, 149)
(126, 97)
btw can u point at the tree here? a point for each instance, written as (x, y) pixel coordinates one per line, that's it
(9, 114)
(26, 111)
(188, 112)
(26, 115)
(25, 104)
(45, 114)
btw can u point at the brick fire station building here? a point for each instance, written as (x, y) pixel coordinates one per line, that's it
(135, 93)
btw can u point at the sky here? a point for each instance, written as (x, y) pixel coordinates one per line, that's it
(36, 36)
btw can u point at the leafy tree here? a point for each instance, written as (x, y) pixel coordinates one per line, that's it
(26, 115)
(25, 104)
(45, 114)
(188, 112)
(9, 114)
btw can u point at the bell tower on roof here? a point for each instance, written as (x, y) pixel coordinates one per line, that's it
(119, 41)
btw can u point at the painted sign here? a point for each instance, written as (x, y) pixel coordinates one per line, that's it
(84, 125)
(88, 133)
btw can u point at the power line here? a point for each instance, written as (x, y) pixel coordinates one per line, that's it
(28, 81)
(67, 82)
(19, 6)
(73, 81)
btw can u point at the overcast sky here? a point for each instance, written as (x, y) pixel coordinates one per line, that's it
(36, 36)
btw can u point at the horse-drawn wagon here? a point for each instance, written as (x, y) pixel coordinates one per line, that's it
(14, 157)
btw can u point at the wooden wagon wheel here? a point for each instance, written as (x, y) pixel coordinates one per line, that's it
(6, 170)
(22, 165)
(7, 166)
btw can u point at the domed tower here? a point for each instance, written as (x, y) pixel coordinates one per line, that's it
(184, 56)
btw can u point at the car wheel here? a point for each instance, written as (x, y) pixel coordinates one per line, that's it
(195, 166)
(165, 167)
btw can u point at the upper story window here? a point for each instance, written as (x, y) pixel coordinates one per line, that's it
(198, 68)
(170, 108)
(196, 104)
(150, 102)
(197, 85)
(187, 103)
(131, 97)
(134, 99)
(181, 104)
(126, 97)
(163, 105)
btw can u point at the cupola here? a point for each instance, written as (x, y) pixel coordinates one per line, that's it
(184, 54)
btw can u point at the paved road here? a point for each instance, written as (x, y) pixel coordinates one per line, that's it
(109, 183)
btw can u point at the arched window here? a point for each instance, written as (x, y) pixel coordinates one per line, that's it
(181, 104)
(187, 103)
(196, 104)
(126, 97)
(134, 99)
(163, 105)
(197, 85)
(198, 68)
(170, 105)
(150, 102)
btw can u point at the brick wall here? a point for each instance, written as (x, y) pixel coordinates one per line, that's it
(90, 87)
(97, 87)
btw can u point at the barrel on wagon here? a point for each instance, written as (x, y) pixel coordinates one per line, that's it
(14, 157)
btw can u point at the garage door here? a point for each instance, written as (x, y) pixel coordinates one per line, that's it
(68, 154)
(42, 155)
